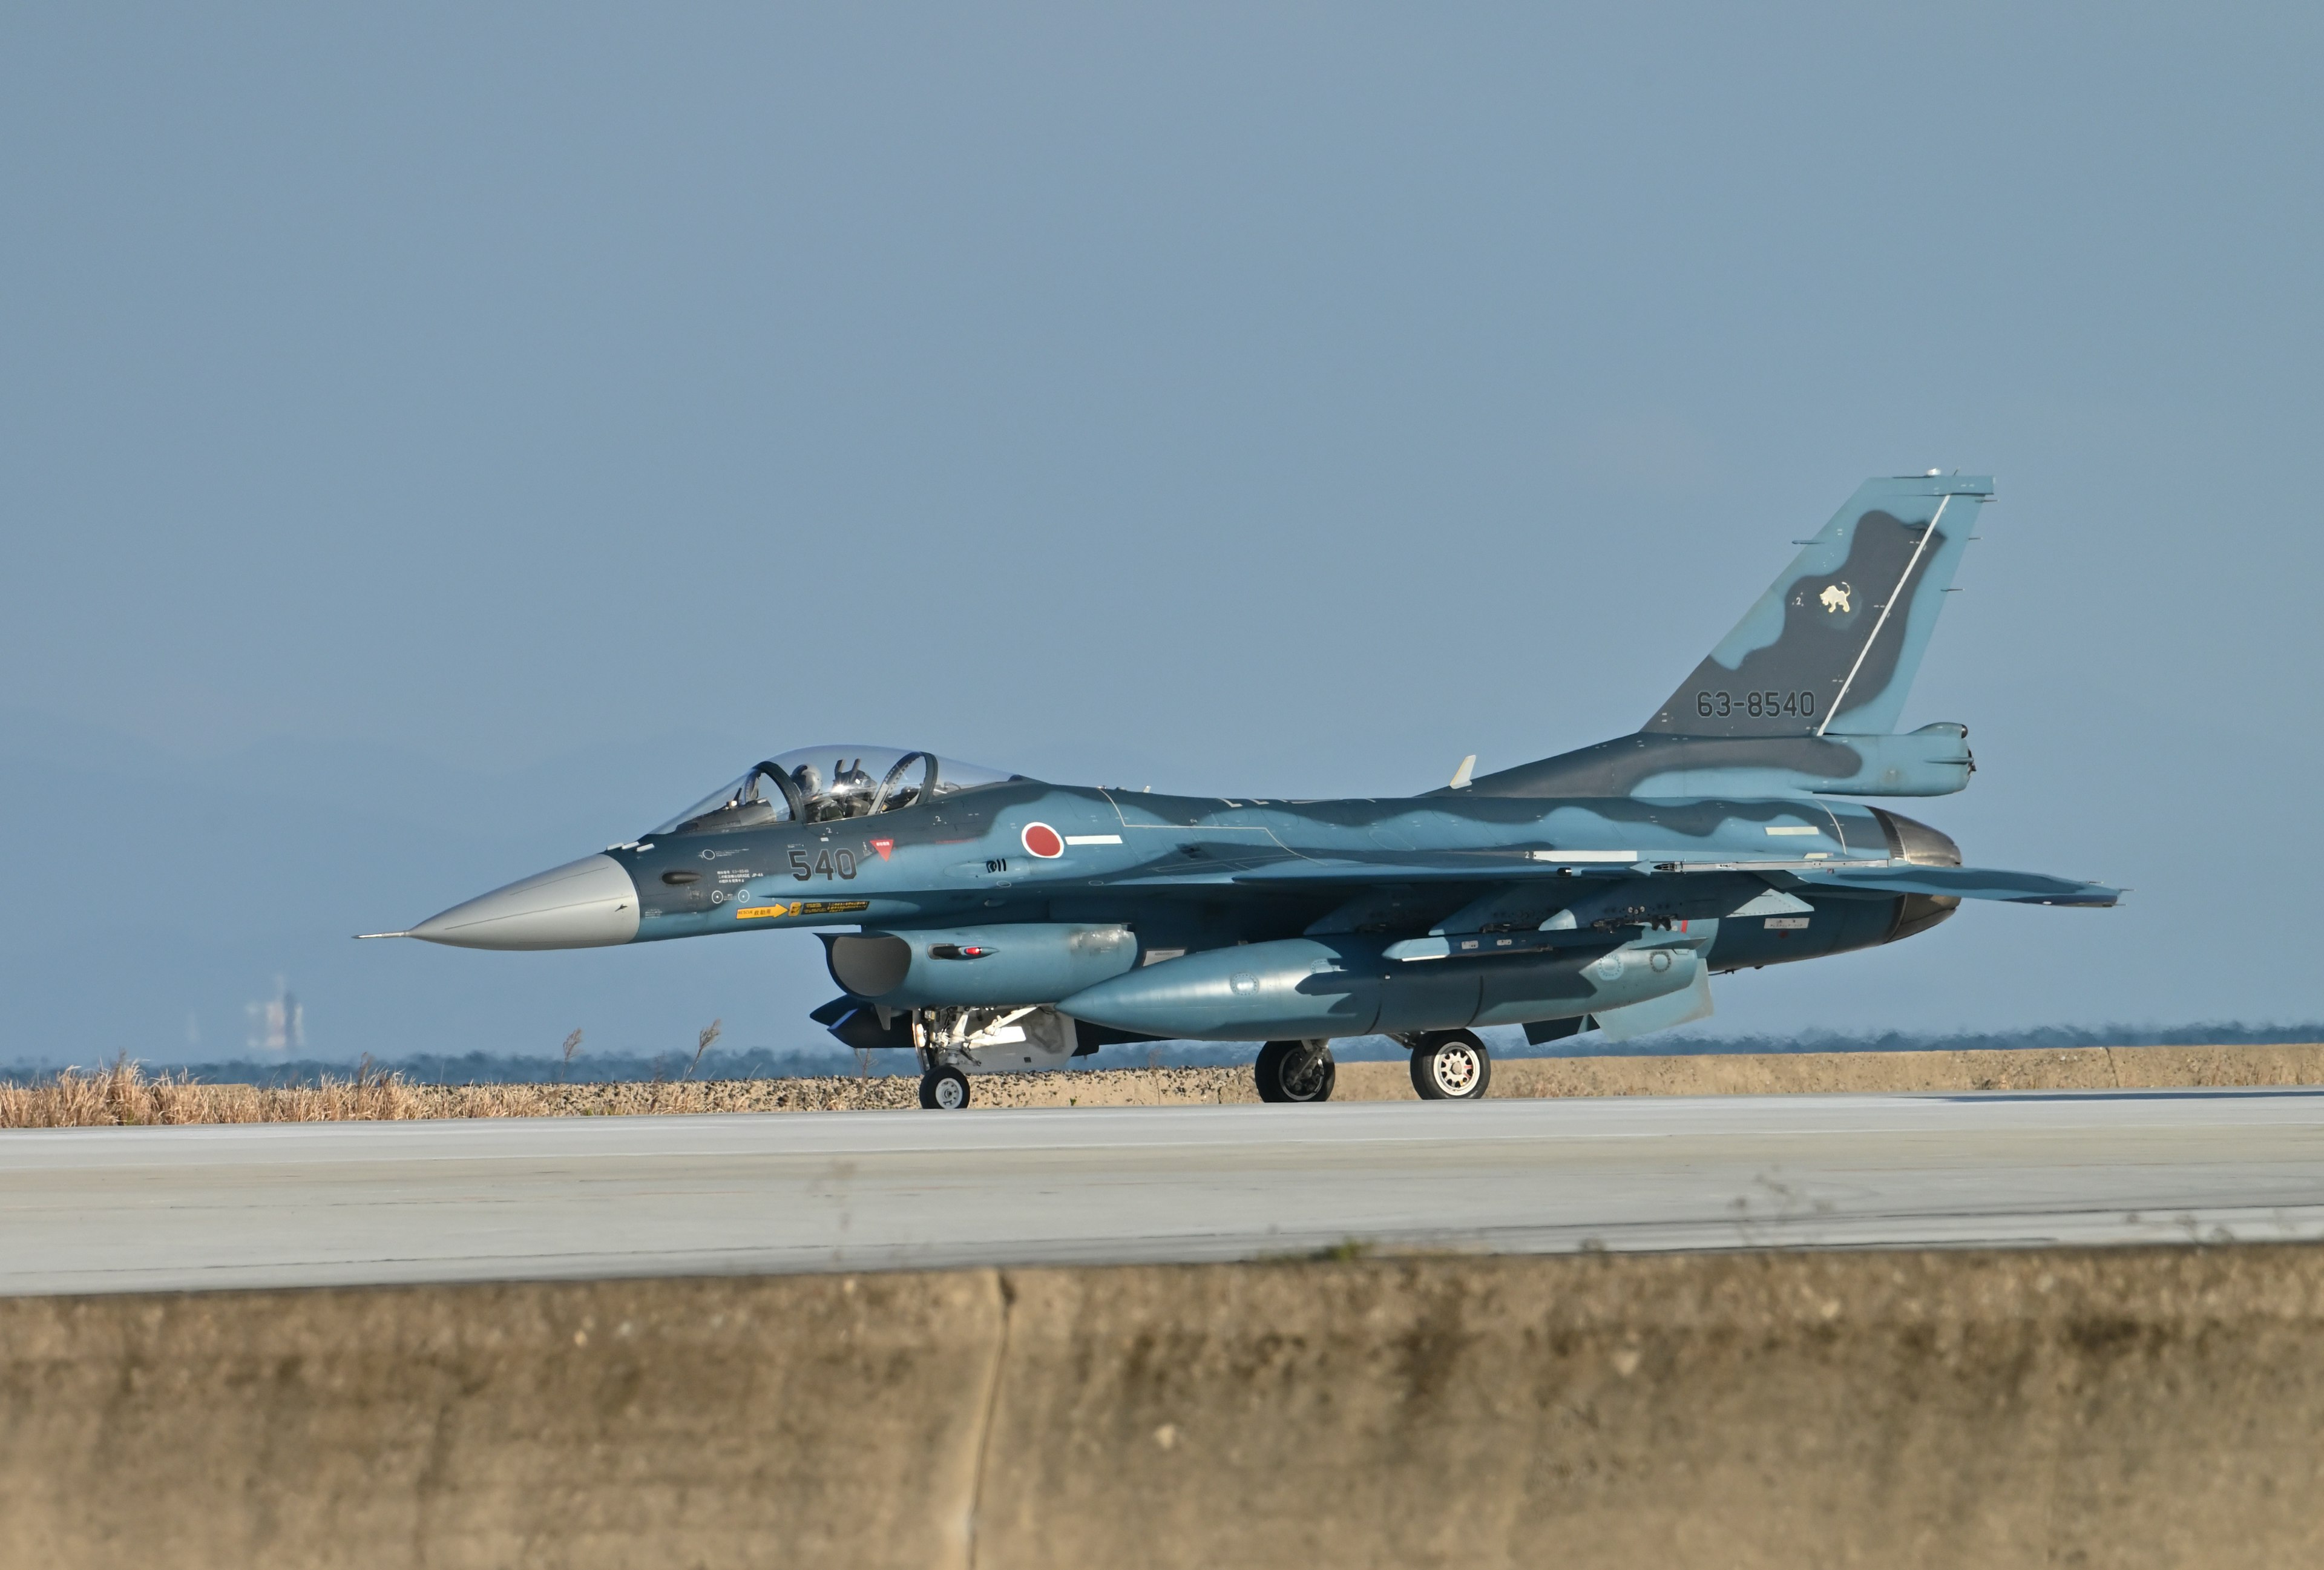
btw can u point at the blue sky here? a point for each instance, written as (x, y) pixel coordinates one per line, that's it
(438, 443)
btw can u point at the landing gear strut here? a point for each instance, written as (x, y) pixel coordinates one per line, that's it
(984, 1038)
(1295, 1071)
(1451, 1065)
(936, 1034)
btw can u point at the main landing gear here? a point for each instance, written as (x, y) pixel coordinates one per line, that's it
(1295, 1071)
(1447, 1066)
(1450, 1066)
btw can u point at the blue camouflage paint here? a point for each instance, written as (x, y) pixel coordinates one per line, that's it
(1600, 879)
(1845, 627)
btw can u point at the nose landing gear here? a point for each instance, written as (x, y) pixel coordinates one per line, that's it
(943, 1088)
(937, 1034)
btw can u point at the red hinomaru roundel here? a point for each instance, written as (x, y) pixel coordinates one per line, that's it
(1042, 840)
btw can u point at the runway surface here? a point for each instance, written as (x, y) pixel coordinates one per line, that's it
(99, 1210)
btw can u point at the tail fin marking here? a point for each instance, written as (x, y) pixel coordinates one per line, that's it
(1834, 644)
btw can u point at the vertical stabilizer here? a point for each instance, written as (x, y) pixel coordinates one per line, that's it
(1834, 644)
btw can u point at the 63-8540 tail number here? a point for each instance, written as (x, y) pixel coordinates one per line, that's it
(1757, 705)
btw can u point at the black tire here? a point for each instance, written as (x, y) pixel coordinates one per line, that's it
(943, 1089)
(1276, 1058)
(1452, 1065)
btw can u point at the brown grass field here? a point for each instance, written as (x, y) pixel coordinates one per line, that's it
(126, 1095)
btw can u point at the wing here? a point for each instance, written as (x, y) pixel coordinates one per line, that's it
(1871, 879)
(1358, 869)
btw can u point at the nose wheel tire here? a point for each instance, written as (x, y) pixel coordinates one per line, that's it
(1285, 1072)
(943, 1089)
(1452, 1065)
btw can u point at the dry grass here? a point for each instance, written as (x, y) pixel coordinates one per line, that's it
(126, 1094)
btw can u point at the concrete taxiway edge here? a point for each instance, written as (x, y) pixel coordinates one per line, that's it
(2129, 1407)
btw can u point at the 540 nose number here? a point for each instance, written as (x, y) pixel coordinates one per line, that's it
(831, 864)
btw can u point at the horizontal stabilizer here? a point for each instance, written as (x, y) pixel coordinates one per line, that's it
(1960, 883)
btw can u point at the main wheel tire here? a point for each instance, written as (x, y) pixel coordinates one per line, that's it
(1452, 1065)
(1278, 1075)
(943, 1089)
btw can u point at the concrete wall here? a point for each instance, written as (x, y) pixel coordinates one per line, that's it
(2117, 1408)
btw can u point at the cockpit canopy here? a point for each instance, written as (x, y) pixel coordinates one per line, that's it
(818, 784)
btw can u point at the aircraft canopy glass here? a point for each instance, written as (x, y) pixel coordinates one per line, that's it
(817, 784)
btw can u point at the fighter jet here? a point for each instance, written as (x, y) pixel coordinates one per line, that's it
(985, 920)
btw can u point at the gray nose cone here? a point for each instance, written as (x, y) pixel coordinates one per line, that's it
(583, 904)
